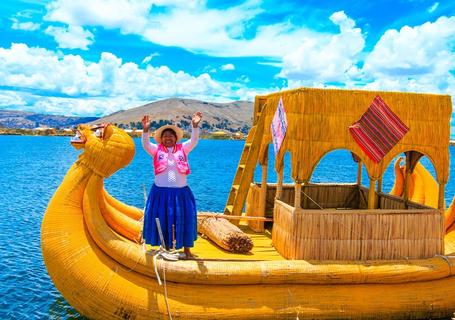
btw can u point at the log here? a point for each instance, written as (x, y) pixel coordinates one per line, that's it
(229, 217)
(225, 234)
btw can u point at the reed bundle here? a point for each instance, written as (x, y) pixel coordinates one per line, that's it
(225, 234)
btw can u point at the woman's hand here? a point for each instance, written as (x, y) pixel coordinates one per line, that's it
(145, 123)
(197, 117)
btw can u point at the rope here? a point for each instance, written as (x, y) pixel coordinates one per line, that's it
(312, 200)
(159, 254)
(165, 294)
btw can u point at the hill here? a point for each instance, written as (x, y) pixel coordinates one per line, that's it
(29, 120)
(233, 116)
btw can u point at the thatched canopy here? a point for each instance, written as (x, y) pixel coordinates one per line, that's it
(318, 122)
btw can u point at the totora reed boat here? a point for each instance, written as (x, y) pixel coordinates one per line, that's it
(332, 251)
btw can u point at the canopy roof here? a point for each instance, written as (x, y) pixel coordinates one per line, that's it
(318, 122)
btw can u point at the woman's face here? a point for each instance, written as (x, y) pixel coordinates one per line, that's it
(168, 138)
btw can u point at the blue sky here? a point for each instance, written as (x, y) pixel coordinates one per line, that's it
(95, 57)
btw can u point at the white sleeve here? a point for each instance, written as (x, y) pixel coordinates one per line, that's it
(190, 144)
(149, 147)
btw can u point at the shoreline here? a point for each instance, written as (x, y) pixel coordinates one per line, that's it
(61, 133)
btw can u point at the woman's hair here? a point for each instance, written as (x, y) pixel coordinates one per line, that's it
(169, 130)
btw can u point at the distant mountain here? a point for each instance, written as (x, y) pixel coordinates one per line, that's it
(30, 120)
(233, 116)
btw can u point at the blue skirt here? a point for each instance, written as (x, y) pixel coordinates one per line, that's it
(174, 207)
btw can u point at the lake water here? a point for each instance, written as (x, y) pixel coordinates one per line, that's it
(31, 168)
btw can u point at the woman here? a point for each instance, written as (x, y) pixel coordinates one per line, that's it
(170, 199)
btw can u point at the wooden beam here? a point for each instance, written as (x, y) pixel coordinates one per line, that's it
(359, 173)
(229, 217)
(279, 184)
(298, 194)
(441, 201)
(380, 184)
(372, 195)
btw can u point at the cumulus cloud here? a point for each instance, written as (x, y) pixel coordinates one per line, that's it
(419, 58)
(100, 87)
(325, 58)
(26, 26)
(228, 66)
(72, 37)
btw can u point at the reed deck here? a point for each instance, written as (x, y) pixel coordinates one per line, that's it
(262, 249)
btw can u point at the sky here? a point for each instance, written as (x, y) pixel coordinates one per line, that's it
(96, 57)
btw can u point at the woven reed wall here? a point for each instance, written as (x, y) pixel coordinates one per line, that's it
(327, 195)
(357, 234)
(318, 121)
(252, 207)
(252, 200)
(388, 201)
(330, 196)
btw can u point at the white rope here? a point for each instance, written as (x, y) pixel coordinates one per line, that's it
(159, 254)
(165, 294)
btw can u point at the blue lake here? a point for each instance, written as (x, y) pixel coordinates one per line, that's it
(31, 168)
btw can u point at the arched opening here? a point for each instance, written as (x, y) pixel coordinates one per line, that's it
(418, 186)
(334, 183)
(337, 166)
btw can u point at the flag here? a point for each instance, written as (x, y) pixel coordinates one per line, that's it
(378, 130)
(278, 127)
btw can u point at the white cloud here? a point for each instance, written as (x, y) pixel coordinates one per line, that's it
(433, 7)
(73, 37)
(243, 79)
(129, 16)
(105, 86)
(272, 64)
(327, 57)
(27, 26)
(419, 58)
(227, 67)
(11, 99)
(186, 24)
(150, 57)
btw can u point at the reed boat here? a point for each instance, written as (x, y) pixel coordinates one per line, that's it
(332, 250)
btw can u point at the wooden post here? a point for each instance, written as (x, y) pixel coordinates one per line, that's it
(305, 198)
(441, 197)
(407, 178)
(359, 173)
(298, 194)
(258, 226)
(380, 184)
(372, 195)
(263, 192)
(279, 184)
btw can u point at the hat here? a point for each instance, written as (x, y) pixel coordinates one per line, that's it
(159, 131)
